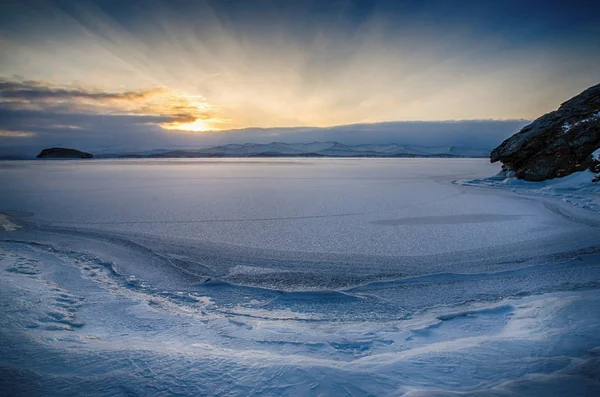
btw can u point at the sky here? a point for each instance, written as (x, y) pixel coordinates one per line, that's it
(122, 75)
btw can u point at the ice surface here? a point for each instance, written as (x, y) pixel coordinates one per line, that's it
(304, 277)
(322, 206)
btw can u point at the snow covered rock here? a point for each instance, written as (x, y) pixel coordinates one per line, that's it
(558, 143)
(595, 167)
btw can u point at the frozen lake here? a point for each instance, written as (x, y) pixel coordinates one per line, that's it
(292, 277)
(365, 206)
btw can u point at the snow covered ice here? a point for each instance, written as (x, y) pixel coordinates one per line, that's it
(327, 277)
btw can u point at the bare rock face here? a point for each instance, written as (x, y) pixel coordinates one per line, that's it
(63, 153)
(556, 144)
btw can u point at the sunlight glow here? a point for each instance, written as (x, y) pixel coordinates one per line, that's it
(195, 126)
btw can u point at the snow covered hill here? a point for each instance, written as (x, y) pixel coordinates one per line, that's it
(318, 149)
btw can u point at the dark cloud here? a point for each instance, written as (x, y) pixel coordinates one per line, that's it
(35, 90)
(11, 118)
(484, 134)
(37, 105)
(36, 114)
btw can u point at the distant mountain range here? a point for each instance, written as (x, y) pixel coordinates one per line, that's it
(315, 149)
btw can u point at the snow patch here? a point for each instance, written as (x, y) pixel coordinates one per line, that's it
(566, 127)
(576, 189)
(244, 269)
(7, 225)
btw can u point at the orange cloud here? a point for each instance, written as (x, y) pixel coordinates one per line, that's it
(184, 113)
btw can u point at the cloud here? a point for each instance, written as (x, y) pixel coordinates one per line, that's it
(484, 134)
(170, 108)
(16, 134)
(37, 90)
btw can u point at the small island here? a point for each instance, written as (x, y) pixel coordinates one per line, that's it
(63, 153)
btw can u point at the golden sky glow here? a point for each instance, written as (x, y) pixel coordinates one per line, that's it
(278, 80)
(212, 66)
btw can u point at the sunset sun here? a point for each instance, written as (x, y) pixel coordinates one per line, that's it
(198, 125)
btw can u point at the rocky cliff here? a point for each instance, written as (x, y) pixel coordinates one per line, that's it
(556, 144)
(63, 153)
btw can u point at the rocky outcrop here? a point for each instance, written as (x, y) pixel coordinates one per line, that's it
(63, 153)
(556, 144)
